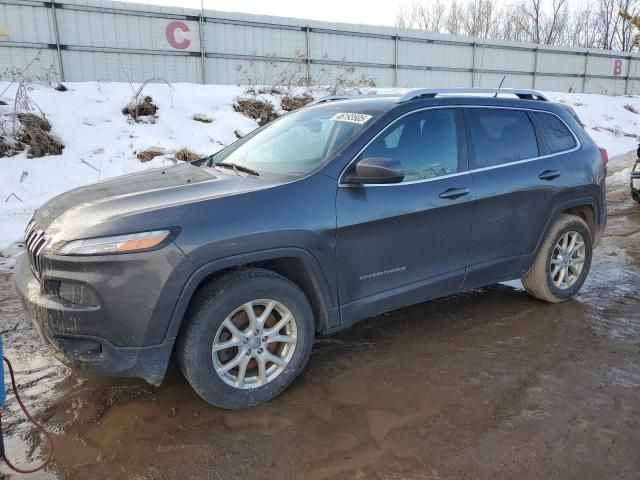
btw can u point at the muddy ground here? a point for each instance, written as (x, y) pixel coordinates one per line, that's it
(487, 384)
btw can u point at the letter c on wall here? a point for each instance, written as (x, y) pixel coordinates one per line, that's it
(170, 33)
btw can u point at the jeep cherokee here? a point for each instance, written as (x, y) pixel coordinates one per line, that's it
(336, 212)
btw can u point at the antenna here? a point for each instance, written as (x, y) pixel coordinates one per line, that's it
(500, 86)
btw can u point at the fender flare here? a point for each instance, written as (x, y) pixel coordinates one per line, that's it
(561, 207)
(320, 284)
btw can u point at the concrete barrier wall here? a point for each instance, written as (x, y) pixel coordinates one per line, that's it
(114, 41)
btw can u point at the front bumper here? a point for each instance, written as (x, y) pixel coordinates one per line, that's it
(124, 333)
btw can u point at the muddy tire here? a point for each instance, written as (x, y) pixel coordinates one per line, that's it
(248, 335)
(563, 261)
(635, 195)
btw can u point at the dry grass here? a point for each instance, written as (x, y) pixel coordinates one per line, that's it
(5, 148)
(35, 132)
(261, 111)
(631, 108)
(186, 155)
(149, 154)
(290, 103)
(31, 120)
(141, 108)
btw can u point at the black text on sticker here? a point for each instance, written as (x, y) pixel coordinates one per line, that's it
(351, 117)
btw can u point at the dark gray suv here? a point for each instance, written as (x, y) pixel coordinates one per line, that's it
(343, 210)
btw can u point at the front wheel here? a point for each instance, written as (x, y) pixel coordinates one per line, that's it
(248, 335)
(563, 261)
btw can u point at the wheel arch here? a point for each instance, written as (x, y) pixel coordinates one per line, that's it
(295, 264)
(585, 208)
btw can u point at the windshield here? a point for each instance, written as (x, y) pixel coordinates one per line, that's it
(296, 144)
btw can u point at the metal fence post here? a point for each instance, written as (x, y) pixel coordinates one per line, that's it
(307, 53)
(535, 67)
(203, 75)
(395, 61)
(473, 64)
(586, 70)
(57, 36)
(626, 80)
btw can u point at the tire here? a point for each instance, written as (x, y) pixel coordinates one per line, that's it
(635, 195)
(540, 282)
(225, 300)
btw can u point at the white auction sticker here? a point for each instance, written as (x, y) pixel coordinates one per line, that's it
(359, 118)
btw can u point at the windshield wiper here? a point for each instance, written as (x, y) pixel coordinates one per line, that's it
(237, 168)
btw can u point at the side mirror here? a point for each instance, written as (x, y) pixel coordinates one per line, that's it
(375, 171)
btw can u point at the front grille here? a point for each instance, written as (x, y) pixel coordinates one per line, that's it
(35, 241)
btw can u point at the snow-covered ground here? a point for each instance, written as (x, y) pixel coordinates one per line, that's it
(100, 142)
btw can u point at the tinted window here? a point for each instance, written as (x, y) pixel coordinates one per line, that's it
(501, 136)
(555, 132)
(426, 143)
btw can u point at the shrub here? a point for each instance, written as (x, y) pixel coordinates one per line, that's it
(149, 154)
(289, 103)
(143, 107)
(260, 110)
(186, 155)
(35, 133)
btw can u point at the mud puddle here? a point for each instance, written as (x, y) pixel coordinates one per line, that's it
(487, 384)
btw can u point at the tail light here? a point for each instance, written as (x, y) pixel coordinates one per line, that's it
(605, 155)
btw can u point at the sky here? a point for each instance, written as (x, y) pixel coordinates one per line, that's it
(374, 12)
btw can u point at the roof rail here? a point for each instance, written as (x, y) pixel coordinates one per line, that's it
(433, 92)
(331, 98)
(357, 96)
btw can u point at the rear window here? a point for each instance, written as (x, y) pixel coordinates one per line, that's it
(501, 136)
(556, 133)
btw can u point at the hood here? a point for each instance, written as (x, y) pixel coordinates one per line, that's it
(86, 211)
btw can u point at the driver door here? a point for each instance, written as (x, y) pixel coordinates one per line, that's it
(403, 243)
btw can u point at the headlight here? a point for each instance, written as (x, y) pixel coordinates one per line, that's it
(134, 242)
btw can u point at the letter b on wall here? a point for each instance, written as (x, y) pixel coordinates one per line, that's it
(617, 67)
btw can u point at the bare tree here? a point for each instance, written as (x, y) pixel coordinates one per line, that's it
(427, 16)
(478, 18)
(608, 24)
(454, 18)
(626, 34)
(531, 20)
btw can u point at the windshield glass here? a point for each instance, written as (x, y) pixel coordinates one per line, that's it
(296, 144)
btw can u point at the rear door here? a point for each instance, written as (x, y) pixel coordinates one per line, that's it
(399, 244)
(516, 180)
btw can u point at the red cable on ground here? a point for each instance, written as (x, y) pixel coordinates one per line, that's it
(49, 440)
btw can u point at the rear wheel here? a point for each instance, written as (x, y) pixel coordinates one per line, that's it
(563, 261)
(248, 336)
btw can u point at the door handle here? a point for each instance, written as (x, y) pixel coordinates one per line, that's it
(452, 193)
(549, 175)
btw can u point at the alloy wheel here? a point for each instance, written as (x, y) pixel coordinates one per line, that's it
(254, 344)
(567, 260)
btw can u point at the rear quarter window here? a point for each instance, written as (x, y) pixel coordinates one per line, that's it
(556, 133)
(501, 136)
